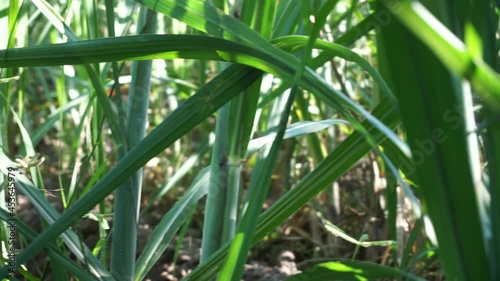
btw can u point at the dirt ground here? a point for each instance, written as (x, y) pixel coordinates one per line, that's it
(293, 248)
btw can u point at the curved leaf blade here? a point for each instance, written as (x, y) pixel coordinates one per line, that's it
(351, 271)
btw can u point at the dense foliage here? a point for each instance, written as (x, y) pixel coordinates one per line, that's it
(235, 115)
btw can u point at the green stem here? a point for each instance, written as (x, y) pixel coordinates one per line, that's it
(127, 197)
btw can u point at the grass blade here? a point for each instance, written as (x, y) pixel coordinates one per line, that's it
(170, 223)
(352, 270)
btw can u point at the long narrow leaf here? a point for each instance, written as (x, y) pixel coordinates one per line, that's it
(352, 270)
(170, 223)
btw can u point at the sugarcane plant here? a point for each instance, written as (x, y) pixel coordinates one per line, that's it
(423, 104)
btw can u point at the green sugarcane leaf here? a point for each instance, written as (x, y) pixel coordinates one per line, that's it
(351, 271)
(170, 223)
(294, 130)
